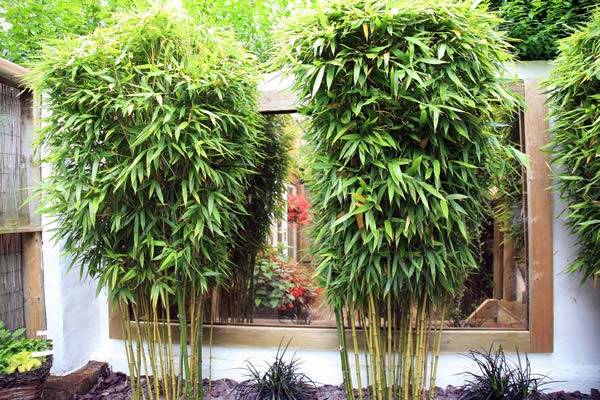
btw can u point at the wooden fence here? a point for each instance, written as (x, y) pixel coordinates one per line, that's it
(21, 275)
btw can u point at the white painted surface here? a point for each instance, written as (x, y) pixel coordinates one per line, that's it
(78, 321)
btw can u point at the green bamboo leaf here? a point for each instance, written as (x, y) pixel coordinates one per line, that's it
(318, 80)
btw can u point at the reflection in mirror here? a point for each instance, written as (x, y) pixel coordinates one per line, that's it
(495, 296)
(284, 291)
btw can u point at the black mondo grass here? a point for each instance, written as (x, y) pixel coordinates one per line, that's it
(282, 380)
(499, 379)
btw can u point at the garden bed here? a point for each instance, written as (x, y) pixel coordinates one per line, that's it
(115, 386)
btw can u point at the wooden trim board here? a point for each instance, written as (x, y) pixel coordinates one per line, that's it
(540, 221)
(326, 339)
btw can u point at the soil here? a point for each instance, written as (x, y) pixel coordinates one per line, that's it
(115, 386)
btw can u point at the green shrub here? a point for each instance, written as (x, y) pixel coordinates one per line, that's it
(152, 139)
(400, 99)
(535, 26)
(574, 89)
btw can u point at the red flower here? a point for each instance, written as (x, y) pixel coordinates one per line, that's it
(297, 292)
(290, 306)
(298, 212)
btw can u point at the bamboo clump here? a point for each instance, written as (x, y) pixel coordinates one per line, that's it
(401, 349)
(402, 101)
(156, 372)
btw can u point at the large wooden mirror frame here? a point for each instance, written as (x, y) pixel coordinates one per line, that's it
(537, 339)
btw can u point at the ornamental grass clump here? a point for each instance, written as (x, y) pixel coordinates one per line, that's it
(400, 98)
(574, 102)
(152, 138)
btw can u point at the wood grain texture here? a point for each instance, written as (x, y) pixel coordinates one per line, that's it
(540, 218)
(326, 339)
(33, 283)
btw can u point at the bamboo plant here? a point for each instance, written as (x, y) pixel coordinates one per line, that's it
(400, 98)
(265, 191)
(574, 89)
(152, 137)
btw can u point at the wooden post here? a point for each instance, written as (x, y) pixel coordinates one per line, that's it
(540, 219)
(498, 252)
(33, 283)
(508, 269)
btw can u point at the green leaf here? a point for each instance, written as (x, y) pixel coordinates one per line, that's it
(318, 80)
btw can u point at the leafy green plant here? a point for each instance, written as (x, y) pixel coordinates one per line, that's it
(152, 139)
(574, 101)
(284, 285)
(535, 26)
(282, 380)
(497, 379)
(23, 361)
(27, 24)
(16, 350)
(401, 99)
(251, 20)
(272, 285)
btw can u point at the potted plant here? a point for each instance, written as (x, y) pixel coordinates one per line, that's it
(24, 364)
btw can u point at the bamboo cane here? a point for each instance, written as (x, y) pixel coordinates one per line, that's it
(140, 351)
(151, 348)
(184, 370)
(124, 317)
(344, 353)
(407, 356)
(436, 354)
(356, 350)
(390, 366)
(171, 363)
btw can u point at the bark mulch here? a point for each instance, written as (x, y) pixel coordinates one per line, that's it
(115, 386)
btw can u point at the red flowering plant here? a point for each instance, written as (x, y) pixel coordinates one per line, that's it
(284, 285)
(301, 296)
(298, 209)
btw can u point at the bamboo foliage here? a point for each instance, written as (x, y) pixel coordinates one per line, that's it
(401, 97)
(152, 139)
(264, 203)
(574, 88)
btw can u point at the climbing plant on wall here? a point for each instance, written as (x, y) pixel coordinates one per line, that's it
(400, 98)
(152, 138)
(574, 89)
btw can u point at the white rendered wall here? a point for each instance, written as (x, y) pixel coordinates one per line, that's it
(78, 321)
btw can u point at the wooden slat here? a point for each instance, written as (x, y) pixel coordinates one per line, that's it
(326, 339)
(20, 229)
(33, 283)
(539, 207)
